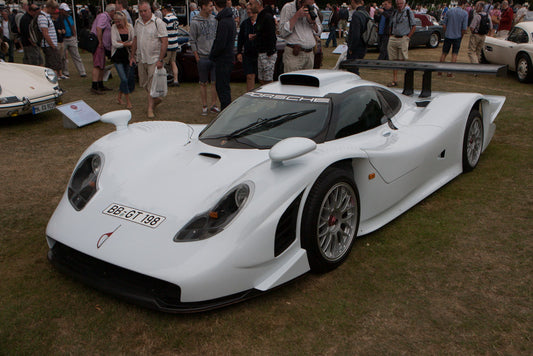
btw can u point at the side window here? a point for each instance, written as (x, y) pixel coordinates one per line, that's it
(359, 111)
(390, 103)
(518, 35)
(418, 22)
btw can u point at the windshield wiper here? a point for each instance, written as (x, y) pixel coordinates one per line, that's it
(264, 124)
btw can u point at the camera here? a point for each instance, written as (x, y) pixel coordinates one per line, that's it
(312, 12)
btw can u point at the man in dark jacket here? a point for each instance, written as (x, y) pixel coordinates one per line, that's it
(265, 41)
(222, 52)
(356, 45)
(32, 51)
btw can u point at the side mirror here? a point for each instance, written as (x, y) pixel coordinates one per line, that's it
(290, 148)
(119, 118)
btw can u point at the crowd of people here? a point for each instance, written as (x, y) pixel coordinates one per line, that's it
(147, 39)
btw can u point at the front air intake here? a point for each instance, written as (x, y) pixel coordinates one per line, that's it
(286, 229)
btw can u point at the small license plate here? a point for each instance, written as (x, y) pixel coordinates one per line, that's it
(134, 215)
(42, 108)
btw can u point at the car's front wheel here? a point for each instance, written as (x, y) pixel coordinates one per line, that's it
(330, 219)
(434, 40)
(524, 71)
(472, 141)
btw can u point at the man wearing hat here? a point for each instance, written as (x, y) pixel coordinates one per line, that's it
(70, 42)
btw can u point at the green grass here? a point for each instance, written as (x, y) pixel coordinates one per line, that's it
(453, 275)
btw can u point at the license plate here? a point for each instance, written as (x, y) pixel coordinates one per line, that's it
(134, 215)
(42, 108)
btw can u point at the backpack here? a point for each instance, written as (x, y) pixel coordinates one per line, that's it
(36, 36)
(343, 14)
(370, 36)
(484, 25)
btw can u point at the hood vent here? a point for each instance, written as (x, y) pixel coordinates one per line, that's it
(209, 155)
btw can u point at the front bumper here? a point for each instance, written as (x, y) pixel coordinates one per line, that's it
(25, 105)
(135, 287)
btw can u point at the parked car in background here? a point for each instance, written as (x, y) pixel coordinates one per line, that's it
(188, 69)
(428, 32)
(26, 89)
(516, 51)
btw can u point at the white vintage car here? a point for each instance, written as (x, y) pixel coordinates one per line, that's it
(186, 218)
(26, 89)
(516, 51)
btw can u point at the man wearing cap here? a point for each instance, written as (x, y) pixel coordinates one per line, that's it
(521, 13)
(70, 42)
(173, 46)
(32, 51)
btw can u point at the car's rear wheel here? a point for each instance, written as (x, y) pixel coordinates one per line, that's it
(524, 71)
(472, 141)
(330, 220)
(434, 40)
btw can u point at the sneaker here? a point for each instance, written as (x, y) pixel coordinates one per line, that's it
(215, 109)
(64, 77)
(175, 84)
(83, 75)
(96, 91)
(204, 111)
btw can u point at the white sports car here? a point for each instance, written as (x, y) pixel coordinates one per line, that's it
(26, 89)
(186, 218)
(516, 51)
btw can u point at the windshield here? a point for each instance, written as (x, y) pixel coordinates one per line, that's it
(259, 120)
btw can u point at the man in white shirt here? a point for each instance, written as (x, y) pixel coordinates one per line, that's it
(299, 24)
(150, 43)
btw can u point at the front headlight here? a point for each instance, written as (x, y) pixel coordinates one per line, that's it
(82, 185)
(212, 222)
(50, 75)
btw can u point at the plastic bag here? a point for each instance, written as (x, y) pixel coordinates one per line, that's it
(159, 83)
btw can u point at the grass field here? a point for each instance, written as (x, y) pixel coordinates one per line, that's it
(454, 275)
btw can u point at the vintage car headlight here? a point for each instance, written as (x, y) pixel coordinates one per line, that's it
(50, 75)
(82, 185)
(212, 222)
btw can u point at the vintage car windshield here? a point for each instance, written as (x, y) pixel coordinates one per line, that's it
(259, 120)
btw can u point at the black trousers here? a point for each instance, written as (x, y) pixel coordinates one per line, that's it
(222, 80)
(383, 42)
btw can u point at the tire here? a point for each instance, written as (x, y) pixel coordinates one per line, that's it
(524, 70)
(330, 220)
(472, 141)
(434, 40)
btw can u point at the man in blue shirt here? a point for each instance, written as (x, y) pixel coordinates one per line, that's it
(455, 25)
(70, 42)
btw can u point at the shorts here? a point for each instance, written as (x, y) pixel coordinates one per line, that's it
(454, 44)
(99, 58)
(249, 64)
(206, 70)
(146, 73)
(266, 66)
(398, 48)
(170, 57)
(52, 58)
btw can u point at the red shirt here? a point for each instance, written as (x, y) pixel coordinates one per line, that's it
(506, 21)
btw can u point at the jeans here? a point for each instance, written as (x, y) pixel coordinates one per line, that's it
(332, 36)
(223, 76)
(127, 77)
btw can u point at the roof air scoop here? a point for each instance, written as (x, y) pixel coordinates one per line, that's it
(299, 79)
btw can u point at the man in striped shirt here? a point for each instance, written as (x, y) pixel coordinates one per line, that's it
(49, 43)
(173, 46)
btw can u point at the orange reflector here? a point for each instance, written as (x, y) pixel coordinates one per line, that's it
(371, 176)
(213, 215)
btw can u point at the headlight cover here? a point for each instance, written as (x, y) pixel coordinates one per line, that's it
(210, 223)
(82, 185)
(50, 75)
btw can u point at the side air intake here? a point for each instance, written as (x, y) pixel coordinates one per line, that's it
(286, 229)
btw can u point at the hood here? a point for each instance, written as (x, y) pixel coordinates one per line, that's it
(166, 172)
(226, 12)
(23, 81)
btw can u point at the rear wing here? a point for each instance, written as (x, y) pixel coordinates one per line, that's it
(426, 67)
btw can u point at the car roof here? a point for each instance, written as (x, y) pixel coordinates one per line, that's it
(526, 25)
(317, 83)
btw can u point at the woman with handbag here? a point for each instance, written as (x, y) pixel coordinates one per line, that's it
(121, 41)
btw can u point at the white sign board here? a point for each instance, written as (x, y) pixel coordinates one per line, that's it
(324, 35)
(78, 114)
(340, 49)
